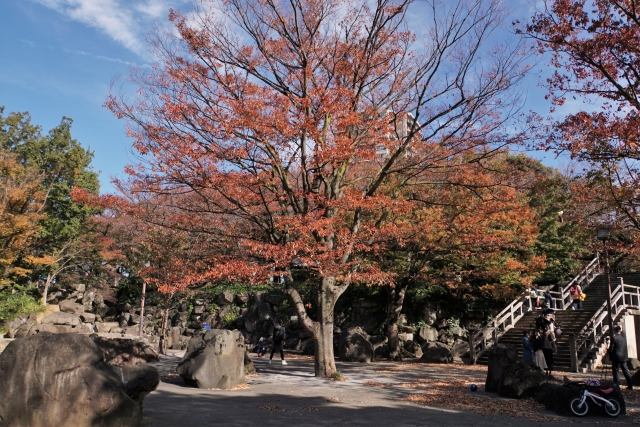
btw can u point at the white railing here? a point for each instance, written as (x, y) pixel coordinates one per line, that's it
(592, 335)
(562, 298)
(482, 340)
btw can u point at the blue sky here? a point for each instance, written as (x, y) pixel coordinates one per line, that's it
(58, 58)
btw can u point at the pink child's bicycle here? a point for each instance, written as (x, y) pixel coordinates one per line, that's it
(580, 405)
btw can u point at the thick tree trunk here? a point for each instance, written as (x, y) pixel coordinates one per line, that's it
(325, 364)
(322, 329)
(396, 301)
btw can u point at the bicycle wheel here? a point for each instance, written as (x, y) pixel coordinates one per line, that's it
(612, 408)
(576, 408)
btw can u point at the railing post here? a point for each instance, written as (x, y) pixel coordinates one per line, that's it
(472, 348)
(574, 353)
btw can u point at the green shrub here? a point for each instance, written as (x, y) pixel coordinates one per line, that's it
(230, 318)
(18, 301)
(337, 376)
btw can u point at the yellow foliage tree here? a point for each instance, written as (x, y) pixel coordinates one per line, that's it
(21, 205)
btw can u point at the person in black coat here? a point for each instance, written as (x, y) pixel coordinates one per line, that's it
(618, 356)
(279, 335)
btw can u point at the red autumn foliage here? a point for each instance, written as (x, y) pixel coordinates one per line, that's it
(595, 48)
(279, 130)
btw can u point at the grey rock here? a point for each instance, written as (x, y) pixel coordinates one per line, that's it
(199, 309)
(459, 332)
(225, 297)
(249, 368)
(102, 310)
(134, 319)
(87, 300)
(60, 318)
(106, 327)
(429, 315)
(123, 319)
(68, 306)
(354, 346)
(434, 352)
(79, 287)
(413, 349)
(138, 380)
(49, 380)
(174, 335)
(243, 298)
(500, 357)
(88, 317)
(426, 334)
(214, 359)
(459, 348)
(519, 380)
(84, 328)
(123, 351)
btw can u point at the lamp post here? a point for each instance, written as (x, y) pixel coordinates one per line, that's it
(604, 234)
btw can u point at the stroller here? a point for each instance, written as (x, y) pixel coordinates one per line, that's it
(262, 347)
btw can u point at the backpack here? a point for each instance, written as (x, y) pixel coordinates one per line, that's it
(279, 334)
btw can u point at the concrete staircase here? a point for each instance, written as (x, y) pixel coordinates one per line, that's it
(569, 321)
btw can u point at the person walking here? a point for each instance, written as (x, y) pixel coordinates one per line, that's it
(618, 355)
(279, 335)
(548, 350)
(527, 348)
(538, 355)
(548, 300)
(575, 291)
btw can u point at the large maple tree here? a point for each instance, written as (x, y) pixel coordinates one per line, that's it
(595, 48)
(293, 132)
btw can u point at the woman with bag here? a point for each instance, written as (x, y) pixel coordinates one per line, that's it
(575, 290)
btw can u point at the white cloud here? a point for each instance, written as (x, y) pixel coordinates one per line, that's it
(107, 58)
(125, 21)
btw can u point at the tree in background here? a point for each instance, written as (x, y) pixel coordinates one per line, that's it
(473, 238)
(21, 205)
(61, 239)
(596, 52)
(282, 130)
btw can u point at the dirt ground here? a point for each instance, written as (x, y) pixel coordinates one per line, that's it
(379, 393)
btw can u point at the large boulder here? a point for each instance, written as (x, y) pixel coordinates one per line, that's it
(354, 346)
(500, 357)
(412, 349)
(49, 380)
(249, 367)
(68, 306)
(435, 352)
(425, 334)
(214, 359)
(122, 351)
(138, 380)
(519, 380)
(61, 318)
